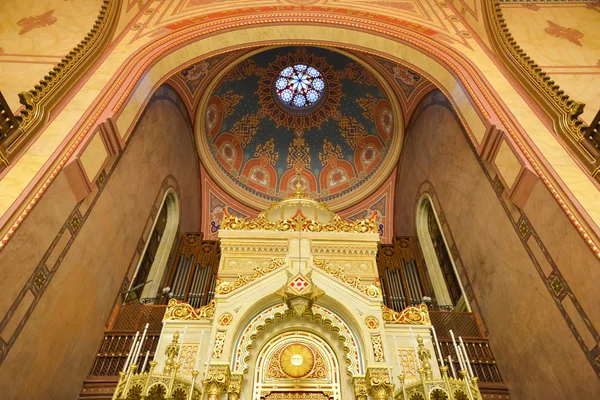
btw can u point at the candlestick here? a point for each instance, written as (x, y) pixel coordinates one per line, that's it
(468, 362)
(458, 353)
(133, 360)
(145, 361)
(414, 342)
(437, 346)
(130, 352)
(452, 366)
(181, 345)
(198, 352)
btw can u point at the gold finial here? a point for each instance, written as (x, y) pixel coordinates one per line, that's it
(299, 191)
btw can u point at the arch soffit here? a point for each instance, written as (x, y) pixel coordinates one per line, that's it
(277, 313)
(146, 69)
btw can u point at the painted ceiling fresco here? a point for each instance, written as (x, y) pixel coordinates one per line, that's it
(265, 148)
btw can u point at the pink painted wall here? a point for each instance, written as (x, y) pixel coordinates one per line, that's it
(53, 353)
(510, 262)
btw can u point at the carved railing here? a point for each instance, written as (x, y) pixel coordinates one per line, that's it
(461, 323)
(39, 101)
(114, 351)
(133, 317)
(563, 111)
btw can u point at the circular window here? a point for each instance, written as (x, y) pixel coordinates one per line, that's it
(300, 87)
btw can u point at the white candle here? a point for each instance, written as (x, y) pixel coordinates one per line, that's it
(414, 342)
(458, 353)
(141, 343)
(198, 353)
(451, 366)
(181, 345)
(162, 330)
(145, 361)
(400, 370)
(130, 352)
(437, 346)
(467, 361)
(133, 360)
(208, 357)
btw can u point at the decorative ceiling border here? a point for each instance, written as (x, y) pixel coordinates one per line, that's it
(563, 110)
(45, 95)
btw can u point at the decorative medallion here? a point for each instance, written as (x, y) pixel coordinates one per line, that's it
(300, 87)
(372, 322)
(305, 79)
(225, 319)
(297, 360)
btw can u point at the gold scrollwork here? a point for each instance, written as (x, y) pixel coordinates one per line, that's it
(225, 287)
(297, 223)
(178, 310)
(372, 290)
(412, 315)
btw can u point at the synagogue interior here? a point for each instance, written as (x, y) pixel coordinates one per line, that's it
(300, 199)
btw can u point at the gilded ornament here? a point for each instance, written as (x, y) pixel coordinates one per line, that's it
(216, 380)
(298, 223)
(178, 310)
(372, 322)
(297, 360)
(219, 344)
(377, 345)
(225, 319)
(371, 290)
(379, 383)
(225, 287)
(412, 315)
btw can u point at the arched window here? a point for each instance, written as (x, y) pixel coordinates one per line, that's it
(440, 266)
(149, 273)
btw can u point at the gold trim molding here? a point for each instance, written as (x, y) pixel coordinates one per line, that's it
(563, 110)
(413, 315)
(226, 287)
(180, 311)
(373, 290)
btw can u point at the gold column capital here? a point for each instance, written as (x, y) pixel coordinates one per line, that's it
(234, 390)
(379, 384)
(216, 380)
(360, 388)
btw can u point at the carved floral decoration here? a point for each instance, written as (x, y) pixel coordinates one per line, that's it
(413, 315)
(178, 310)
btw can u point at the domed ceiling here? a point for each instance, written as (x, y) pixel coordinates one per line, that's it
(305, 114)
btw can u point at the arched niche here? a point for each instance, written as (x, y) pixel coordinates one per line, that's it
(424, 214)
(153, 273)
(296, 360)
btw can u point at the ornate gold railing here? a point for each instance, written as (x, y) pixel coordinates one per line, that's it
(563, 110)
(39, 101)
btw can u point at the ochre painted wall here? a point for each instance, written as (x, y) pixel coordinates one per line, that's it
(54, 351)
(536, 350)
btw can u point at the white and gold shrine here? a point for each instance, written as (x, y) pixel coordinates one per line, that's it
(297, 314)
